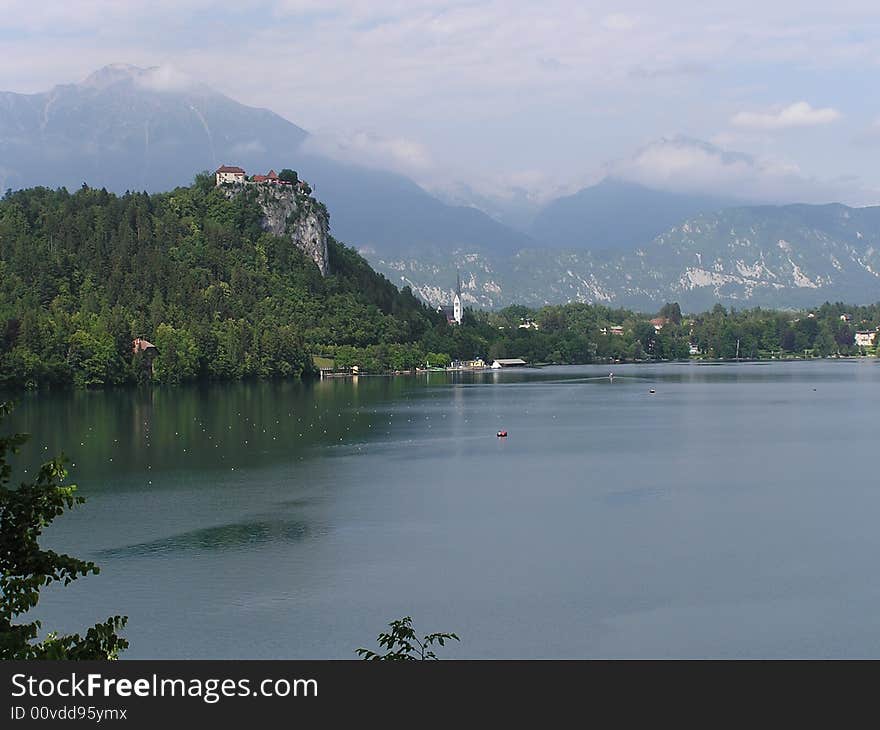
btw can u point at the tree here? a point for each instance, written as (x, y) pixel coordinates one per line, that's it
(288, 175)
(178, 358)
(438, 359)
(672, 312)
(646, 335)
(403, 644)
(92, 353)
(25, 568)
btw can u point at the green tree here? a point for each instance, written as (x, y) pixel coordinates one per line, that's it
(498, 350)
(403, 644)
(438, 359)
(93, 356)
(672, 312)
(25, 567)
(178, 358)
(288, 175)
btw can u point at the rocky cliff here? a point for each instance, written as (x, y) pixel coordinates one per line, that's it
(788, 256)
(289, 212)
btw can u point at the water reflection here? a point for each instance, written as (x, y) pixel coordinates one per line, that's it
(223, 537)
(300, 518)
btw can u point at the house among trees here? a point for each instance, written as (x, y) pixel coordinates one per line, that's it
(147, 351)
(865, 338)
(272, 178)
(269, 177)
(659, 323)
(229, 174)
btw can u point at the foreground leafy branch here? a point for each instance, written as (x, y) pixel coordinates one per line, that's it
(25, 568)
(403, 644)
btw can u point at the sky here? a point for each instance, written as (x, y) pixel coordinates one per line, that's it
(515, 100)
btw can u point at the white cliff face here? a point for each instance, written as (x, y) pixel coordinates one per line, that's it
(787, 256)
(289, 213)
(309, 235)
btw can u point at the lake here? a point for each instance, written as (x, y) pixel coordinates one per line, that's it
(732, 513)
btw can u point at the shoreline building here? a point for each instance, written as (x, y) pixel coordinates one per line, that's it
(508, 362)
(147, 351)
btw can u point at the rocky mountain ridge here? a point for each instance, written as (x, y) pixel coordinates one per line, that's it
(774, 256)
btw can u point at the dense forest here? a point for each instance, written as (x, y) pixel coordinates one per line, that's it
(82, 274)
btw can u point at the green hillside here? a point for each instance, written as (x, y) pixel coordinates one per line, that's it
(82, 274)
(194, 273)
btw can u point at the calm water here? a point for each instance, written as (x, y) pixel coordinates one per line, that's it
(735, 512)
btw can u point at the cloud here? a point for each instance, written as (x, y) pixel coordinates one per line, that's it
(481, 87)
(799, 114)
(657, 72)
(165, 78)
(687, 165)
(398, 154)
(618, 21)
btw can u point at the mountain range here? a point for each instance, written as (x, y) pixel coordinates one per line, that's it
(129, 128)
(772, 256)
(616, 215)
(615, 242)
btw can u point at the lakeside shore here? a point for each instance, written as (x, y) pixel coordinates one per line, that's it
(488, 368)
(342, 374)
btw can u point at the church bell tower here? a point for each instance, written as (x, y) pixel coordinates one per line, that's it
(456, 302)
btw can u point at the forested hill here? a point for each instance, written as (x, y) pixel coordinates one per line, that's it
(193, 272)
(82, 274)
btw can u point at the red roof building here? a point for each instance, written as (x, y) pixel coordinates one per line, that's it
(658, 322)
(269, 177)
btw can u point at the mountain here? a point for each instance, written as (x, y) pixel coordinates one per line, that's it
(124, 129)
(777, 256)
(381, 213)
(129, 128)
(615, 215)
(514, 206)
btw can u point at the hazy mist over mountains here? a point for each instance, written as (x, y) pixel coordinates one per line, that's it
(619, 241)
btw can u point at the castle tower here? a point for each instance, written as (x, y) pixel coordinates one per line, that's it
(456, 301)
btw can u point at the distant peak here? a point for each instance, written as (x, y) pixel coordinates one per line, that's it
(112, 74)
(163, 78)
(617, 183)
